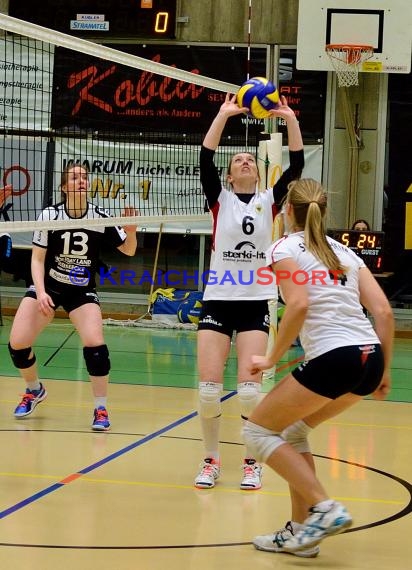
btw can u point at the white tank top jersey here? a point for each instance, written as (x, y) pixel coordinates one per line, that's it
(335, 317)
(241, 235)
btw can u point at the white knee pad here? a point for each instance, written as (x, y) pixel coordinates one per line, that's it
(297, 436)
(209, 399)
(261, 442)
(249, 397)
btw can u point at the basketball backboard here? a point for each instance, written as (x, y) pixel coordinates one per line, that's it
(386, 25)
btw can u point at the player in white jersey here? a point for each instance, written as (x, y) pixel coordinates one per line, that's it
(324, 286)
(234, 298)
(64, 263)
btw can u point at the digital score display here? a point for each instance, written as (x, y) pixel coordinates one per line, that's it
(146, 19)
(368, 245)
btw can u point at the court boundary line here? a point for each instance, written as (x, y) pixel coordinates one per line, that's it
(400, 514)
(75, 476)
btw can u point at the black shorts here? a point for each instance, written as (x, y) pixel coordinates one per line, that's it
(240, 316)
(68, 300)
(350, 369)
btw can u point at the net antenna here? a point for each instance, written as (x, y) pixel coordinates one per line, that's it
(248, 60)
(347, 60)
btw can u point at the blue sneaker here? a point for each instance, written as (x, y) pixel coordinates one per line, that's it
(29, 401)
(100, 419)
(319, 525)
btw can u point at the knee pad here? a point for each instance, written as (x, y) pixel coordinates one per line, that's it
(20, 357)
(297, 435)
(249, 397)
(97, 360)
(261, 442)
(210, 405)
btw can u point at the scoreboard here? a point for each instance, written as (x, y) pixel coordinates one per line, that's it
(368, 245)
(146, 19)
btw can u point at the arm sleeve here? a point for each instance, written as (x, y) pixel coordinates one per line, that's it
(114, 236)
(5, 248)
(41, 237)
(296, 164)
(209, 176)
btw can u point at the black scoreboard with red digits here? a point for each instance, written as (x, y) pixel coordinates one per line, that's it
(368, 245)
(146, 19)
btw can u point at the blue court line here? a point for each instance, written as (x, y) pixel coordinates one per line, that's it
(75, 476)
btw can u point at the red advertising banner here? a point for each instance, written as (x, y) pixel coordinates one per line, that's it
(100, 95)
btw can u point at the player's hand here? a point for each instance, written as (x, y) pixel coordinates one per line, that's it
(5, 193)
(384, 387)
(45, 304)
(260, 363)
(130, 212)
(283, 110)
(230, 106)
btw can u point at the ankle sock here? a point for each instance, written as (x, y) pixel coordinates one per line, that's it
(325, 506)
(34, 386)
(100, 401)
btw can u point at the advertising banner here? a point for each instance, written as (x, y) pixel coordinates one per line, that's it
(22, 164)
(26, 68)
(155, 179)
(100, 95)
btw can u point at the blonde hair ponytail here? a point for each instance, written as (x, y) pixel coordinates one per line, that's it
(309, 200)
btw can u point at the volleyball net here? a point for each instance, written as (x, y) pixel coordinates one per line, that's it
(136, 123)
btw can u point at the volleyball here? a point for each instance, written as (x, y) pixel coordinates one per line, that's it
(259, 95)
(189, 311)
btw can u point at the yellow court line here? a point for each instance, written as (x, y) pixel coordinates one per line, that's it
(74, 405)
(356, 424)
(168, 411)
(86, 479)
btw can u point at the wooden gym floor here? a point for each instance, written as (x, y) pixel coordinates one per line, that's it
(72, 498)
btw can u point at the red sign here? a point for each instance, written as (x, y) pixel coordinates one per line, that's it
(97, 94)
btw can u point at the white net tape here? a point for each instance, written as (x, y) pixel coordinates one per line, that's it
(151, 170)
(347, 60)
(33, 31)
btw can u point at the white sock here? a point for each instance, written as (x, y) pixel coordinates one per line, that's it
(210, 430)
(296, 526)
(35, 385)
(325, 506)
(100, 401)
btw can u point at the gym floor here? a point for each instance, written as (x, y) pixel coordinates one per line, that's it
(72, 498)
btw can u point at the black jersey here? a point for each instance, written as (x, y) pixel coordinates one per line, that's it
(72, 255)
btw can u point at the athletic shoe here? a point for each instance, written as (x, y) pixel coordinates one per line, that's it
(252, 475)
(274, 543)
(209, 472)
(100, 419)
(320, 524)
(29, 401)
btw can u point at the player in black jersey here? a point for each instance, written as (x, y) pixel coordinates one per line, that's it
(63, 266)
(5, 239)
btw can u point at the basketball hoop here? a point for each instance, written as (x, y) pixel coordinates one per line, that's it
(346, 60)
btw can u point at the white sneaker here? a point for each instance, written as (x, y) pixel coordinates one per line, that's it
(209, 472)
(252, 475)
(274, 543)
(319, 525)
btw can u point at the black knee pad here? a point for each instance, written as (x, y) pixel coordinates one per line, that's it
(20, 357)
(97, 360)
